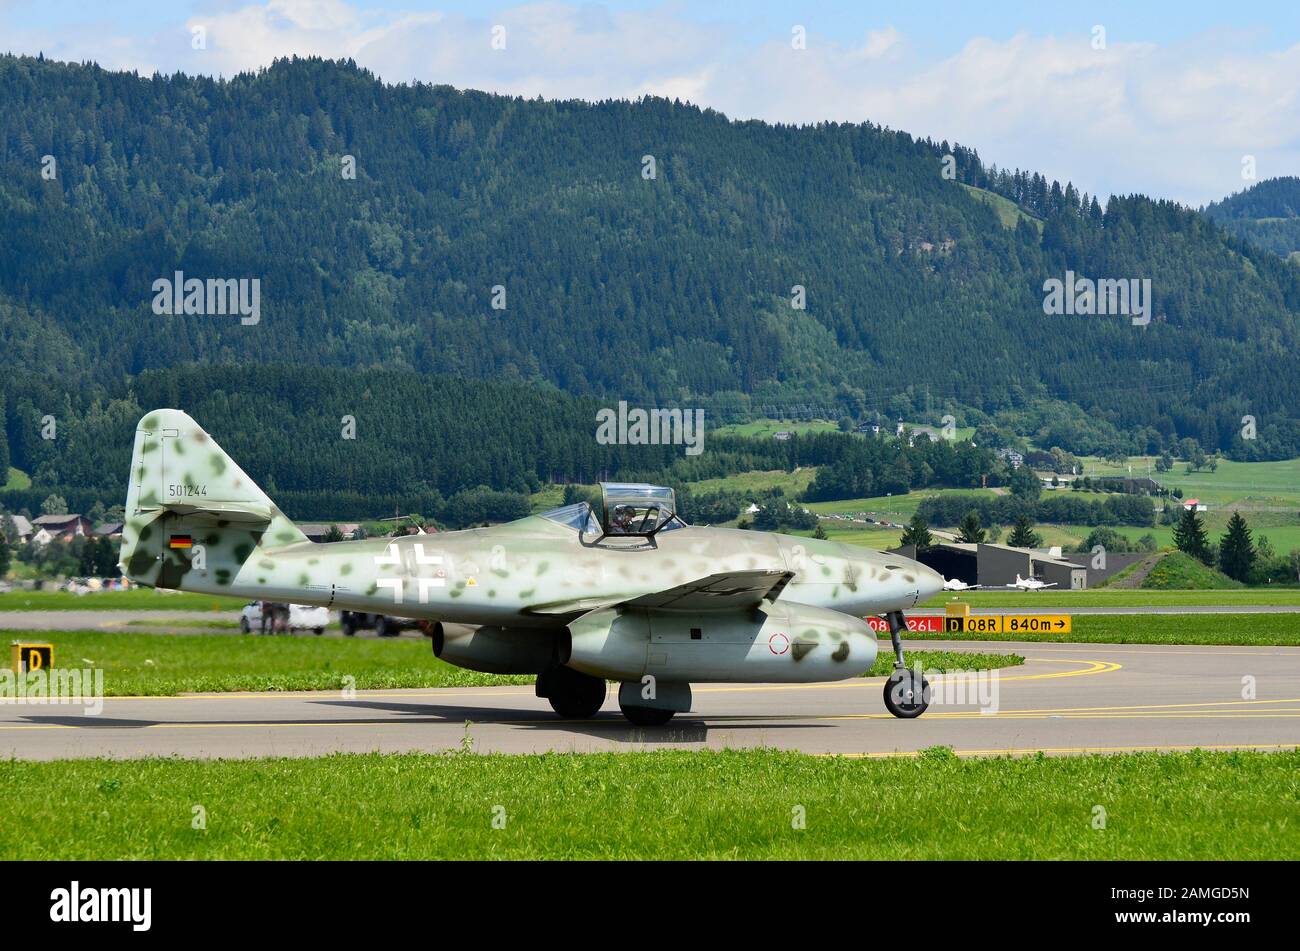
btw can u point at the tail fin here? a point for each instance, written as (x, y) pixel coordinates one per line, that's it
(185, 493)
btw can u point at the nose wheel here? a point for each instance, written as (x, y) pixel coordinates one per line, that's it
(907, 692)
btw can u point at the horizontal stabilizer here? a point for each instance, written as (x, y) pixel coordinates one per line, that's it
(235, 513)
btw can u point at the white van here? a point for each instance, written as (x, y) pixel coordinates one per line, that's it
(301, 617)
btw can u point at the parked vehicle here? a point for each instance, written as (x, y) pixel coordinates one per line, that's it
(301, 617)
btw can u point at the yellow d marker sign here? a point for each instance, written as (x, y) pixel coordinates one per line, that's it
(31, 656)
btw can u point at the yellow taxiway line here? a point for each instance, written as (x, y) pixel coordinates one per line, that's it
(1091, 667)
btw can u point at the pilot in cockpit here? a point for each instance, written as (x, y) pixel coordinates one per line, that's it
(620, 520)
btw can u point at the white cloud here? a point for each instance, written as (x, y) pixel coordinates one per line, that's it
(1172, 121)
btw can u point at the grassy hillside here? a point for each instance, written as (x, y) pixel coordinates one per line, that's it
(15, 479)
(1180, 571)
(766, 428)
(1009, 213)
(1244, 484)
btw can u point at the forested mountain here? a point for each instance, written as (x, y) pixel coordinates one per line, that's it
(1267, 214)
(364, 443)
(673, 290)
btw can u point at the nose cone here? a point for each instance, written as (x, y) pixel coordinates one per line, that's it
(929, 581)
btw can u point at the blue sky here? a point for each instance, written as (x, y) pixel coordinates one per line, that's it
(1172, 99)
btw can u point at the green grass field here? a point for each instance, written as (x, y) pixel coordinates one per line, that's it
(792, 484)
(759, 804)
(769, 427)
(1244, 483)
(136, 599)
(1117, 598)
(16, 479)
(897, 508)
(1243, 629)
(139, 663)
(150, 664)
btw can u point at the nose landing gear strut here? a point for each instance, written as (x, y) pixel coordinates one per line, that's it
(907, 692)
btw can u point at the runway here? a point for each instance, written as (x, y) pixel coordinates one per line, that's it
(1067, 698)
(153, 621)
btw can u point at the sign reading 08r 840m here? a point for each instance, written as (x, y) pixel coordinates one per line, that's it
(1008, 624)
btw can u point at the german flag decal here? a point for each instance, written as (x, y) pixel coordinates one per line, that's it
(182, 541)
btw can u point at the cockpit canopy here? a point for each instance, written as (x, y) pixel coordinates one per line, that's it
(628, 508)
(632, 508)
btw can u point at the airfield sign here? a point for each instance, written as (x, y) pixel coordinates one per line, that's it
(1008, 624)
(979, 624)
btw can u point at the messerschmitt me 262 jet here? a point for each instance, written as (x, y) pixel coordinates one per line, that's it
(575, 596)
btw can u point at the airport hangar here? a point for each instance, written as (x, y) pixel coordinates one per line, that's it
(997, 566)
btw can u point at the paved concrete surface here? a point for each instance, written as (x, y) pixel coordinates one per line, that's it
(146, 621)
(1111, 609)
(112, 620)
(149, 622)
(1067, 698)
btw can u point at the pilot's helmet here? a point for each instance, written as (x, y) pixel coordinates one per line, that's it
(623, 513)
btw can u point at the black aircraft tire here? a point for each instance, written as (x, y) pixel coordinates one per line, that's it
(902, 699)
(575, 695)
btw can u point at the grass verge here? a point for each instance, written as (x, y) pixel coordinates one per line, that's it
(143, 664)
(135, 599)
(657, 805)
(1257, 630)
(1121, 598)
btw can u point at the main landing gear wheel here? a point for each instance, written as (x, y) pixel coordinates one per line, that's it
(905, 698)
(575, 695)
(647, 716)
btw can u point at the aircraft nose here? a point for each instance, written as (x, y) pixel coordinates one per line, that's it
(930, 583)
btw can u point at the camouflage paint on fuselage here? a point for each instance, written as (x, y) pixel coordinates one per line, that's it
(533, 572)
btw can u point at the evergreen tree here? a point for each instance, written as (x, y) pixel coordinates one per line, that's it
(4, 555)
(4, 444)
(917, 533)
(1236, 552)
(1023, 535)
(87, 559)
(1024, 483)
(819, 532)
(106, 559)
(971, 529)
(1190, 537)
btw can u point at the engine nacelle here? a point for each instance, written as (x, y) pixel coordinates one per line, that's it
(775, 643)
(495, 650)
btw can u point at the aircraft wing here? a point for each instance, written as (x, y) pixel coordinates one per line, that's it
(725, 591)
